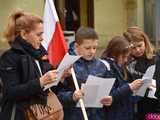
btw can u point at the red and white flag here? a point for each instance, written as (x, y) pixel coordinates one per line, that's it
(54, 41)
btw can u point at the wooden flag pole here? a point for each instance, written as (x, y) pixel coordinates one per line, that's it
(72, 70)
(80, 101)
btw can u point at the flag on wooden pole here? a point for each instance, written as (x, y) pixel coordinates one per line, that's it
(55, 44)
(54, 41)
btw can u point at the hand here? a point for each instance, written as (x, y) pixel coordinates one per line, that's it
(107, 101)
(78, 94)
(135, 85)
(152, 87)
(66, 73)
(48, 77)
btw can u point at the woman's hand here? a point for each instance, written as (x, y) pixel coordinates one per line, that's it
(107, 101)
(135, 85)
(66, 73)
(48, 77)
(78, 94)
(153, 85)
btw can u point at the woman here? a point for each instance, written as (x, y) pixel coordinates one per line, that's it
(142, 56)
(116, 53)
(24, 67)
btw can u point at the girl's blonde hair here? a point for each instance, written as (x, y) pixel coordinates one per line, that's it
(135, 34)
(20, 20)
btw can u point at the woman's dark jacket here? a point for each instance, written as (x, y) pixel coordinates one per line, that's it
(157, 78)
(20, 76)
(122, 105)
(157, 75)
(136, 69)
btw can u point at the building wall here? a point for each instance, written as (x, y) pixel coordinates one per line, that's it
(7, 6)
(140, 13)
(110, 19)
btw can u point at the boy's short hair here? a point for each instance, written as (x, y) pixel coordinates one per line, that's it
(85, 33)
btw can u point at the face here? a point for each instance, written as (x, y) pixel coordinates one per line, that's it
(87, 48)
(34, 37)
(138, 49)
(122, 59)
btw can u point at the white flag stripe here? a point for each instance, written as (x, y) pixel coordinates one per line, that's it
(50, 19)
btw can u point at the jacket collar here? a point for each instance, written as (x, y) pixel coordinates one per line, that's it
(16, 46)
(23, 47)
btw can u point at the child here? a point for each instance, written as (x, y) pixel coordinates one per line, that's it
(86, 43)
(116, 53)
(142, 56)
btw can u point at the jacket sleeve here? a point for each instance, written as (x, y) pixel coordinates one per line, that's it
(157, 76)
(119, 93)
(14, 89)
(65, 93)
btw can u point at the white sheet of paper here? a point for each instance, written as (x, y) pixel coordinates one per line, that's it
(152, 90)
(95, 89)
(90, 98)
(106, 83)
(149, 72)
(66, 62)
(147, 80)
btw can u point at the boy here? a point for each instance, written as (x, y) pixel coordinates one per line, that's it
(86, 43)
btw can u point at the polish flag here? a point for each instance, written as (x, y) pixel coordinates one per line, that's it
(54, 41)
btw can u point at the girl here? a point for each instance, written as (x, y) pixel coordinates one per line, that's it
(142, 56)
(116, 54)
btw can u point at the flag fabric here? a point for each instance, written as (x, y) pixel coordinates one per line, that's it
(53, 38)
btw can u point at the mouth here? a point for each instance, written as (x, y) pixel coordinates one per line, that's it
(139, 54)
(90, 55)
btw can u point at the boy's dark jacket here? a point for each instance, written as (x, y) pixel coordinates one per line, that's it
(82, 68)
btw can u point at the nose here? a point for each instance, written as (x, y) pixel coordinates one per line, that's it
(137, 49)
(93, 51)
(41, 39)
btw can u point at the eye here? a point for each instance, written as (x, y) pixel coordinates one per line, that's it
(95, 47)
(139, 45)
(87, 48)
(39, 34)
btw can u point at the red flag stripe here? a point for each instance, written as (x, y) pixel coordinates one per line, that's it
(57, 47)
(54, 41)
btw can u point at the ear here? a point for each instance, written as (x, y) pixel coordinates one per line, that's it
(23, 34)
(76, 45)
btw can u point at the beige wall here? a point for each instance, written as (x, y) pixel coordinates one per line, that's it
(135, 13)
(110, 19)
(7, 6)
(140, 13)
